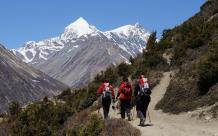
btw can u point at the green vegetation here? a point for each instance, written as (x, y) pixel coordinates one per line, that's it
(194, 49)
(196, 61)
(41, 118)
(50, 116)
(208, 69)
(91, 125)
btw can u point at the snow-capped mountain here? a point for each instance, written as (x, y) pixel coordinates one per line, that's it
(82, 50)
(22, 83)
(77, 29)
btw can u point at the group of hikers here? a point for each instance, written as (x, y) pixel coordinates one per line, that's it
(142, 98)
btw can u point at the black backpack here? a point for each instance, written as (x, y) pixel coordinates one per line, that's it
(144, 92)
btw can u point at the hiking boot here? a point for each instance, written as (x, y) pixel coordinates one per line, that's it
(143, 122)
(140, 123)
(129, 118)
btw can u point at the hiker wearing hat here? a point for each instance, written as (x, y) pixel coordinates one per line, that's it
(125, 95)
(142, 95)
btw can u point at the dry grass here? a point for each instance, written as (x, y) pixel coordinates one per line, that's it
(119, 127)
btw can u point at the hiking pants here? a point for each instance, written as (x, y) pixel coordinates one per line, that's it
(142, 106)
(106, 107)
(125, 107)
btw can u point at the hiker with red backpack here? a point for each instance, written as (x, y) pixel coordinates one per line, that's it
(125, 95)
(107, 93)
(142, 94)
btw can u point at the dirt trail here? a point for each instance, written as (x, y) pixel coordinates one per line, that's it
(170, 125)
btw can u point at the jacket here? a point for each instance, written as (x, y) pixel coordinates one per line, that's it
(102, 87)
(125, 91)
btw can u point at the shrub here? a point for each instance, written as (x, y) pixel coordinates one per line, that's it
(178, 55)
(91, 126)
(208, 70)
(124, 70)
(14, 108)
(119, 127)
(42, 118)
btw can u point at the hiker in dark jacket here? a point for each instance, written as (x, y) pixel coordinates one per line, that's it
(125, 95)
(142, 94)
(107, 93)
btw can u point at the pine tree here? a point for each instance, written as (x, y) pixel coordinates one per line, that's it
(152, 41)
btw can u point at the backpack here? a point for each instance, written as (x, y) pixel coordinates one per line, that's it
(144, 91)
(106, 93)
(127, 91)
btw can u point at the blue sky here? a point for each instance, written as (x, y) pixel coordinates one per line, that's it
(24, 20)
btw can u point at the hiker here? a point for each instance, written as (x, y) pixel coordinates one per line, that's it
(107, 93)
(125, 94)
(142, 95)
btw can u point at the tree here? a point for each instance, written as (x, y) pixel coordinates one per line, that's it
(151, 41)
(131, 59)
(124, 70)
(14, 108)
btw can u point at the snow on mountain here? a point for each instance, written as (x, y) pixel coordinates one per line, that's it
(22, 83)
(35, 52)
(82, 50)
(77, 29)
(130, 38)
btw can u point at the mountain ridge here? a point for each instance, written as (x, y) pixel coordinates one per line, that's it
(22, 83)
(112, 47)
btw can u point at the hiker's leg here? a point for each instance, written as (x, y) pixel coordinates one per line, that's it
(107, 107)
(128, 109)
(140, 114)
(104, 108)
(122, 108)
(147, 101)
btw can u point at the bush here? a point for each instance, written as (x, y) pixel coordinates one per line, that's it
(42, 118)
(14, 109)
(179, 54)
(208, 70)
(124, 70)
(91, 126)
(119, 127)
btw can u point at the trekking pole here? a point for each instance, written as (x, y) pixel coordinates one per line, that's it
(149, 117)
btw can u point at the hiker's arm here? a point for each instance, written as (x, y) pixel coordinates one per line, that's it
(136, 90)
(120, 89)
(113, 94)
(100, 89)
(149, 91)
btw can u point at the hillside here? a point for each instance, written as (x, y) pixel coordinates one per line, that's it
(182, 69)
(195, 60)
(22, 83)
(53, 116)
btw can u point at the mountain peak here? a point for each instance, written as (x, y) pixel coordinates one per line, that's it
(80, 22)
(78, 28)
(131, 30)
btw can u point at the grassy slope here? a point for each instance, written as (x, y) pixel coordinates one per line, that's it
(195, 58)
